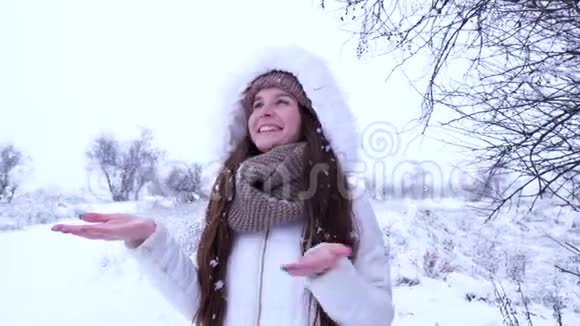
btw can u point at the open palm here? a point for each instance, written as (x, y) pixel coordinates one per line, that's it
(125, 227)
(318, 259)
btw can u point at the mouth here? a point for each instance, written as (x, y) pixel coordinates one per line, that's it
(268, 128)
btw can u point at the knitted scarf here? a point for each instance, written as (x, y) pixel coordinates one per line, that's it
(267, 189)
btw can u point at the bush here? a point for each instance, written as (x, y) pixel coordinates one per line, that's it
(515, 265)
(38, 207)
(487, 254)
(185, 182)
(436, 266)
(10, 159)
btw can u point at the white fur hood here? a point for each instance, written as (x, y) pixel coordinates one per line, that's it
(328, 101)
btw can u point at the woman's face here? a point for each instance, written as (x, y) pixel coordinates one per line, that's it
(274, 119)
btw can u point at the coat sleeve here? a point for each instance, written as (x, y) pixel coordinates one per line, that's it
(359, 293)
(170, 271)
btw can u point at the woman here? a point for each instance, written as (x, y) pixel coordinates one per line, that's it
(286, 242)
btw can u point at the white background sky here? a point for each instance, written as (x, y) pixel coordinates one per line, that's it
(71, 69)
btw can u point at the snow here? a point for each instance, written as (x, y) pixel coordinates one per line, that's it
(219, 284)
(65, 280)
(50, 279)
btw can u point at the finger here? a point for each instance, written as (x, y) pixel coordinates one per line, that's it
(307, 269)
(298, 266)
(303, 272)
(65, 228)
(87, 231)
(340, 249)
(318, 263)
(57, 227)
(95, 217)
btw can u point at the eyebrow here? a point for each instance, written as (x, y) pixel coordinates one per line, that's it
(278, 94)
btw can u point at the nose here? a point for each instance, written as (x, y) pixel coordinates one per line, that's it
(266, 110)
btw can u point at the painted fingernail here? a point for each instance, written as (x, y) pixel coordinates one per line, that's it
(284, 268)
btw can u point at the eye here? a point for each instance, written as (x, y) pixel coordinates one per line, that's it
(257, 105)
(283, 101)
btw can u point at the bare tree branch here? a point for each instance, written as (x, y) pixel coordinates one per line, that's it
(509, 71)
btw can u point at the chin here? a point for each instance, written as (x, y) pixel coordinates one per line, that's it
(264, 147)
(267, 145)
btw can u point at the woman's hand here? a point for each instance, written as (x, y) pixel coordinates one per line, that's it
(131, 229)
(318, 260)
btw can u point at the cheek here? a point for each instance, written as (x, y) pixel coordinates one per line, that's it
(292, 121)
(251, 123)
(251, 132)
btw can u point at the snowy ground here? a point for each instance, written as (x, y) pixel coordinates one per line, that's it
(53, 279)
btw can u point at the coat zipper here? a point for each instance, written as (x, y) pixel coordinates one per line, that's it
(261, 278)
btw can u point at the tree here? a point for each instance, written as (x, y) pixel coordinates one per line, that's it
(514, 91)
(10, 159)
(185, 182)
(127, 168)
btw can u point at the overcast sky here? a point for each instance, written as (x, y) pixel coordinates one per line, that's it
(71, 69)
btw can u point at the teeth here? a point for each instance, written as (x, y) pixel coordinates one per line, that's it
(268, 129)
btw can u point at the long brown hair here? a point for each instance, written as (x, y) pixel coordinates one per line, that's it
(328, 210)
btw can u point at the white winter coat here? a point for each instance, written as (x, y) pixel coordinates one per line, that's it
(259, 292)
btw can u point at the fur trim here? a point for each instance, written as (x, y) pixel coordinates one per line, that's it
(328, 101)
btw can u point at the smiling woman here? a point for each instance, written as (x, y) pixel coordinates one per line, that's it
(274, 117)
(291, 225)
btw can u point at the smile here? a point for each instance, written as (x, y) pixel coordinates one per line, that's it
(268, 128)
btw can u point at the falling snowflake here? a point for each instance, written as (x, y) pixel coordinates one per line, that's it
(318, 130)
(328, 148)
(218, 285)
(353, 235)
(213, 316)
(213, 263)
